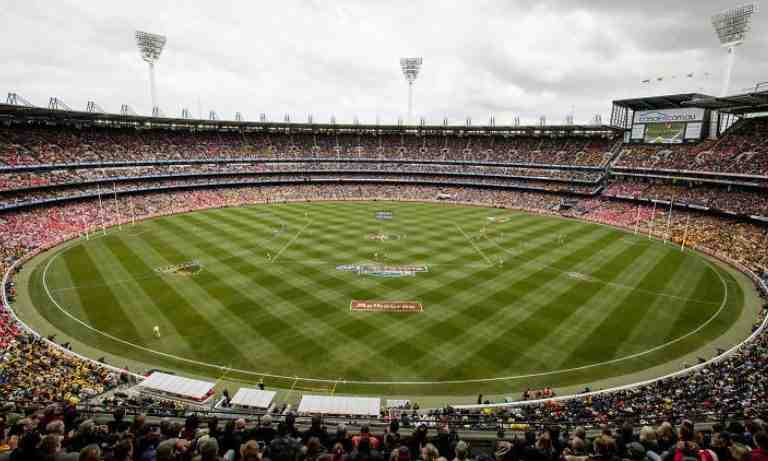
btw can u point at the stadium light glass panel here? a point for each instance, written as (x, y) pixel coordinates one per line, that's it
(732, 27)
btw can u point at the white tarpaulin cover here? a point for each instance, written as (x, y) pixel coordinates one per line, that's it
(171, 384)
(253, 398)
(340, 405)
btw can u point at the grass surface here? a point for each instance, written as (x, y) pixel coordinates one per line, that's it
(534, 301)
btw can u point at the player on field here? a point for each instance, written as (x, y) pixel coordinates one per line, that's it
(156, 331)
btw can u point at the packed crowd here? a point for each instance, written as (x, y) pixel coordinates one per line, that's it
(59, 432)
(751, 201)
(21, 184)
(109, 189)
(743, 150)
(741, 241)
(28, 144)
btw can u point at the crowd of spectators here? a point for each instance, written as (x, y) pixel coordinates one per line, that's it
(741, 241)
(729, 199)
(743, 150)
(30, 144)
(60, 432)
(108, 189)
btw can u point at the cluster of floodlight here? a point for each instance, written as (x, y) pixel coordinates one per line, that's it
(150, 45)
(410, 67)
(732, 25)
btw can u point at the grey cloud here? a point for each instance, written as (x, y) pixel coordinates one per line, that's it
(341, 57)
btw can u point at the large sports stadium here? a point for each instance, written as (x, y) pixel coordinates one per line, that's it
(471, 279)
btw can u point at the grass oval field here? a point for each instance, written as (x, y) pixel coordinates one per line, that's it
(509, 300)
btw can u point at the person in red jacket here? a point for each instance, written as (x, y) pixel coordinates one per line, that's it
(760, 453)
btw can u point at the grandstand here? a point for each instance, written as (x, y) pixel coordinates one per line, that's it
(180, 288)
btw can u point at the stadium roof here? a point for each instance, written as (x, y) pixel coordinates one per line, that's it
(670, 101)
(45, 115)
(737, 104)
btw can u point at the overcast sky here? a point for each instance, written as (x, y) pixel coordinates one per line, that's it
(510, 58)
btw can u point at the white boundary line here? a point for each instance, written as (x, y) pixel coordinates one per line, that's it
(603, 282)
(289, 242)
(490, 263)
(394, 381)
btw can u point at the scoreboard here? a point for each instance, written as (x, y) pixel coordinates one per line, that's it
(668, 126)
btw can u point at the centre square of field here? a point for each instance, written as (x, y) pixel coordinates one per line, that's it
(407, 297)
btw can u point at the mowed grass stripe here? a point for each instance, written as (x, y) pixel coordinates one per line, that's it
(563, 308)
(692, 281)
(612, 330)
(709, 286)
(481, 310)
(188, 321)
(305, 300)
(449, 284)
(221, 301)
(310, 301)
(133, 300)
(517, 339)
(240, 304)
(101, 306)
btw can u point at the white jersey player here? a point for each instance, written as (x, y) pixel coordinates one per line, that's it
(156, 331)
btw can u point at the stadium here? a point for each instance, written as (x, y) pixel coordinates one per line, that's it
(550, 290)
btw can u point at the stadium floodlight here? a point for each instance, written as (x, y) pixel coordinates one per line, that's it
(150, 47)
(410, 67)
(732, 27)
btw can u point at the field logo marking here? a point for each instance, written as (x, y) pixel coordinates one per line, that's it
(187, 269)
(381, 237)
(376, 270)
(357, 305)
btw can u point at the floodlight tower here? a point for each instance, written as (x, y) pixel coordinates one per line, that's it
(150, 47)
(410, 67)
(731, 27)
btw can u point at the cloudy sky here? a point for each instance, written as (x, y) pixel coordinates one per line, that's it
(509, 58)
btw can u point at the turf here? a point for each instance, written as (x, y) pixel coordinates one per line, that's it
(533, 301)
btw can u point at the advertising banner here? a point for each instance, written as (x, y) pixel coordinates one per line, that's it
(669, 115)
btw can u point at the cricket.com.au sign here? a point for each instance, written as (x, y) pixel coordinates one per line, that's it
(670, 115)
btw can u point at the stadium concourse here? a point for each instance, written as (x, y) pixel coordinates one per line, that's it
(56, 170)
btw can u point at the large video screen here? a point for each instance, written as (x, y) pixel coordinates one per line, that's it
(665, 133)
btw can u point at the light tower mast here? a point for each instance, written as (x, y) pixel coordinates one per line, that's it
(731, 27)
(410, 67)
(150, 47)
